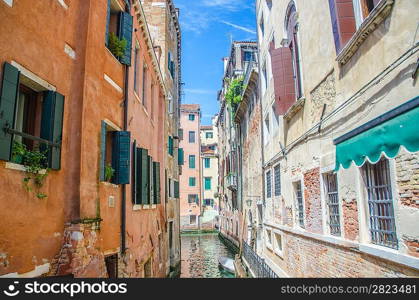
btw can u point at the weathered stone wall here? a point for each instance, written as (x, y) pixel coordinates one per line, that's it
(323, 94)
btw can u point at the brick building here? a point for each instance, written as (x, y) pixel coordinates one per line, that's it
(339, 99)
(98, 118)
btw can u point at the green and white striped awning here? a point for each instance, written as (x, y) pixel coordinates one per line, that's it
(381, 136)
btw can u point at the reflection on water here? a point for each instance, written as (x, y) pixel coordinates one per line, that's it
(200, 256)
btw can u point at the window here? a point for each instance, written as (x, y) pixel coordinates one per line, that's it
(268, 234)
(192, 181)
(292, 34)
(192, 219)
(362, 9)
(277, 173)
(300, 205)
(192, 198)
(380, 204)
(332, 199)
(111, 263)
(269, 184)
(136, 67)
(171, 65)
(191, 136)
(207, 163)
(277, 243)
(180, 155)
(170, 145)
(191, 117)
(269, 4)
(118, 27)
(180, 133)
(209, 202)
(207, 183)
(144, 90)
(209, 135)
(262, 26)
(31, 118)
(191, 161)
(248, 56)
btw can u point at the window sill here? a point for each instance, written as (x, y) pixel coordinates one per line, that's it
(294, 109)
(390, 254)
(367, 27)
(19, 167)
(108, 184)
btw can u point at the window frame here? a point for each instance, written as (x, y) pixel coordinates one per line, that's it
(326, 195)
(299, 203)
(192, 161)
(192, 181)
(268, 184)
(190, 139)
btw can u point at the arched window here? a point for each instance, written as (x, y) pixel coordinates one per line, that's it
(291, 26)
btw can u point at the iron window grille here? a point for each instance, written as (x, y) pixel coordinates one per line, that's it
(380, 204)
(300, 206)
(269, 184)
(277, 173)
(333, 203)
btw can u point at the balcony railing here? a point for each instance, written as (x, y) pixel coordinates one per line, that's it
(232, 181)
(257, 264)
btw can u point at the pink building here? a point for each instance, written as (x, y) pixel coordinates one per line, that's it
(190, 179)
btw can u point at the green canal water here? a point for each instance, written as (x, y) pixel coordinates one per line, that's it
(200, 254)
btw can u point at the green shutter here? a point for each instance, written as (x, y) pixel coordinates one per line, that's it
(191, 161)
(207, 183)
(102, 151)
(52, 126)
(121, 156)
(181, 157)
(108, 19)
(9, 92)
(170, 145)
(156, 178)
(134, 181)
(150, 180)
(144, 176)
(125, 32)
(176, 189)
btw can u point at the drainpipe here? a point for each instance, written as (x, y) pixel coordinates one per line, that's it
(124, 187)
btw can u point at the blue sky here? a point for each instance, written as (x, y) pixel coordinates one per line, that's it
(208, 26)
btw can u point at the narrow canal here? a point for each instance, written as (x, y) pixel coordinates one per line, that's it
(200, 254)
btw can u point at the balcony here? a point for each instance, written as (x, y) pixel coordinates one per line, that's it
(232, 181)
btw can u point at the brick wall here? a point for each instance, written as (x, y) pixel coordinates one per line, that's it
(312, 201)
(350, 219)
(407, 171)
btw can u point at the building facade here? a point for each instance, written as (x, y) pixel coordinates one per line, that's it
(190, 179)
(338, 80)
(94, 116)
(163, 23)
(209, 179)
(231, 205)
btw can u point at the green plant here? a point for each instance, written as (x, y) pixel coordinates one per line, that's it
(109, 172)
(34, 162)
(116, 45)
(234, 91)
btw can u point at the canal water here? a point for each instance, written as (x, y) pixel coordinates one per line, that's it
(200, 254)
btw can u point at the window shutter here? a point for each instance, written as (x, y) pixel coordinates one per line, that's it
(170, 146)
(176, 188)
(181, 157)
(144, 176)
(134, 182)
(125, 32)
(108, 19)
(343, 22)
(150, 180)
(52, 126)
(283, 74)
(121, 156)
(102, 151)
(156, 177)
(9, 92)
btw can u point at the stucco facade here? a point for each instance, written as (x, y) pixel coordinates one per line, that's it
(344, 84)
(86, 226)
(190, 179)
(209, 165)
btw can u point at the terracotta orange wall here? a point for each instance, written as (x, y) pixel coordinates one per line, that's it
(190, 149)
(34, 36)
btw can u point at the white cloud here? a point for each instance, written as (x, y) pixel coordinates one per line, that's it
(239, 27)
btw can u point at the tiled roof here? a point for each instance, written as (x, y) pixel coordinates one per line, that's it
(190, 106)
(206, 127)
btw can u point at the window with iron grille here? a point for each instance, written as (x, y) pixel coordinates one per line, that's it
(268, 184)
(331, 183)
(380, 204)
(300, 206)
(277, 174)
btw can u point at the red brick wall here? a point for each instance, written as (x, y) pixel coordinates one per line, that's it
(313, 208)
(350, 219)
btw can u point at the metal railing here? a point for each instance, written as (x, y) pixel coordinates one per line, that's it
(232, 181)
(256, 263)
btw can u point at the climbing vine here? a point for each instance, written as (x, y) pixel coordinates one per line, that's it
(34, 162)
(234, 91)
